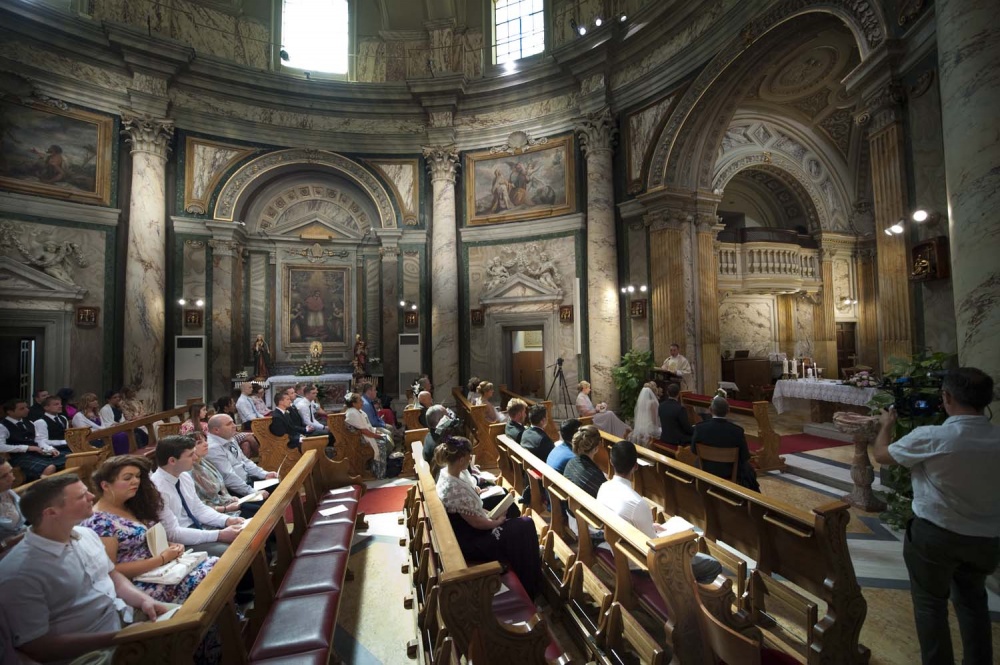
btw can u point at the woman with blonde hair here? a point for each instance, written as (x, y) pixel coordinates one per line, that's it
(605, 420)
(485, 391)
(89, 413)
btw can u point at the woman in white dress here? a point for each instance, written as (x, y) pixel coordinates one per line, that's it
(358, 419)
(647, 418)
(605, 420)
(485, 395)
(89, 414)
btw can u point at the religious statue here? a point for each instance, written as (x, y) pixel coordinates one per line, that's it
(496, 274)
(315, 351)
(360, 356)
(261, 358)
(921, 267)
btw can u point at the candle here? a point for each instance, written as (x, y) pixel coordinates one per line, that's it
(784, 365)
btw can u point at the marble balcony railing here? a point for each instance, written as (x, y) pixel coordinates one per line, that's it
(767, 267)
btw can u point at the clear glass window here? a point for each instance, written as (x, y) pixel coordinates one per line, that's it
(316, 35)
(519, 26)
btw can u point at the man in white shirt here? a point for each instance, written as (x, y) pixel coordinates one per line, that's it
(245, 406)
(306, 405)
(679, 366)
(111, 413)
(61, 593)
(618, 495)
(17, 439)
(50, 428)
(953, 542)
(237, 471)
(186, 519)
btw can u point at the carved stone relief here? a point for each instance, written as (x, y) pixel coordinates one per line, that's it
(42, 251)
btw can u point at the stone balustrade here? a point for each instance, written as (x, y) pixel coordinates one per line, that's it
(767, 265)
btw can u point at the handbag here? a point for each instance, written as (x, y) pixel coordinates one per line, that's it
(175, 571)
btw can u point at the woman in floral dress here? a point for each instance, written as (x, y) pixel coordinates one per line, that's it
(127, 505)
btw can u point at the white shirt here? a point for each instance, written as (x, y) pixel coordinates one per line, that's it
(955, 468)
(108, 416)
(175, 520)
(42, 434)
(59, 588)
(4, 434)
(80, 420)
(234, 466)
(247, 410)
(307, 409)
(618, 495)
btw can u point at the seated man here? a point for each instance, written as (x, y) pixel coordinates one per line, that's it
(434, 416)
(37, 407)
(237, 471)
(424, 402)
(186, 519)
(674, 426)
(50, 428)
(61, 592)
(307, 408)
(535, 439)
(368, 399)
(17, 439)
(246, 407)
(517, 412)
(718, 432)
(563, 451)
(285, 422)
(618, 495)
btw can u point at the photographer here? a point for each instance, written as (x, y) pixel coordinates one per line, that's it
(953, 541)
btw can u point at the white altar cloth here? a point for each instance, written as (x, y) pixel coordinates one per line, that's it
(826, 390)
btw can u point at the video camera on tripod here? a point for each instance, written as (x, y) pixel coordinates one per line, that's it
(915, 396)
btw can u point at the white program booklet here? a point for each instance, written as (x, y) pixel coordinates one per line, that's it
(333, 510)
(673, 525)
(156, 539)
(501, 508)
(259, 485)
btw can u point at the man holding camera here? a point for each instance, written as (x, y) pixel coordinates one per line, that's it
(953, 541)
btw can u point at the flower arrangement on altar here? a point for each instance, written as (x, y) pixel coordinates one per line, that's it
(314, 366)
(863, 379)
(242, 376)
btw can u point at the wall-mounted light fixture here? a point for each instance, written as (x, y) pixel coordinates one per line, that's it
(185, 301)
(919, 216)
(408, 305)
(632, 288)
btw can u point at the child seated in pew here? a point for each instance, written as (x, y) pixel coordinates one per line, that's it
(618, 495)
(510, 541)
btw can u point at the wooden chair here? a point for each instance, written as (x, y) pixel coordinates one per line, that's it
(168, 429)
(274, 450)
(706, 453)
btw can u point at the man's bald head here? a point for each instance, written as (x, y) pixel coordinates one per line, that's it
(424, 398)
(217, 422)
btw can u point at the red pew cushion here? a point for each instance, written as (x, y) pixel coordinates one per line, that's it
(514, 605)
(326, 538)
(297, 625)
(319, 657)
(642, 584)
(319, 573)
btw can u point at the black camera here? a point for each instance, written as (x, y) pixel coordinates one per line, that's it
(559, 361)
(916, 396)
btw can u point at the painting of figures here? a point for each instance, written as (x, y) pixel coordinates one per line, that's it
(316, 306)
(49, 151)
(505, 187)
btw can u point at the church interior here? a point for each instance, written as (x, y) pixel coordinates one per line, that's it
(768, 197)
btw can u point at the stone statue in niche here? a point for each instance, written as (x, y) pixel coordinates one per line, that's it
(360, 362)
(261, 358)
(44, 253)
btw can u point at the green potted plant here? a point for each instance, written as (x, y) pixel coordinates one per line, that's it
(629, 376)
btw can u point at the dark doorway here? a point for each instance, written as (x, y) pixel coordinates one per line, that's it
(523, 360)
(847, 345)
(21, 361)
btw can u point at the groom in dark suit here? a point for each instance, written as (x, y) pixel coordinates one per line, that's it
(674, 426)
(721, 433)
(535, 439)
(283, 422)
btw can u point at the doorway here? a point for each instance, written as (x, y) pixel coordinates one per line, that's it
(20, 361)
(847, 345)
(524, 363)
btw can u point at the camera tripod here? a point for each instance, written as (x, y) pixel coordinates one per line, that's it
(563, 394)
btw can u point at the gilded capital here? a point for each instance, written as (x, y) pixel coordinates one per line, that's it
(598, 132)
(442, 162)
(146, 133)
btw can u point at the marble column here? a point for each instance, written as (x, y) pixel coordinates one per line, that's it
(390, 318)
(597, 136)
(666, 271)
(786, 324)
(867, 309)
(224, 313)
(824, 323)
(710, 372)
(968, 39)
(146, 257)
(886, 142)
(442, 164)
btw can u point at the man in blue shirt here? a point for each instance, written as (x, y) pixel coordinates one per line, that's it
(368, 406)
(563, 452)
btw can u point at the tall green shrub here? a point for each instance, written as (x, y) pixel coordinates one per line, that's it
(629, 376)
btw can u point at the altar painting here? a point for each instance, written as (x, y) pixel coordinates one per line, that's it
(315, 307)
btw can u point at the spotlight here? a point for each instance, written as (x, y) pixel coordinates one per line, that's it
(920, 215)
(896, 228)
(624, 290)
(888, 232)
(199, 303)
(402, 303)
(631, 289)
(643, 288)
(582, 30)
(622, 18)
(182, 302)
(598, 22)
(413, 307)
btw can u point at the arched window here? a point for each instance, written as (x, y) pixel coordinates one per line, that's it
(315, 35)
(518, 29)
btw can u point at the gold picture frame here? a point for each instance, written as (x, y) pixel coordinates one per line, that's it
(316, 307)
(535, 183)
(56, 152)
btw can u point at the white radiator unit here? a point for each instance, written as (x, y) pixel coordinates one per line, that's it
(409, 360)
(189, 368)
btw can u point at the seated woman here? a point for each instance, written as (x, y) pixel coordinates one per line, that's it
(485, 392)
(245, 440)
(197, 423)
(472, 390)
(133, 409)
(604, 419)
(512, 541)
(128, 504)
(257, 397)
(647, 417)
(111, 415)
(379, 442)
(66, 395)
(11, 520)
(211, 486)
(582, 470)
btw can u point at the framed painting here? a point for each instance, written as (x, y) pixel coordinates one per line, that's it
(538, 182)
(315, 307)
(61, 153)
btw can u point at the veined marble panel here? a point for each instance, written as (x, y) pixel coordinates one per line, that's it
(502, 117)
(688, 251)
(30, 54)
(194, 277)
(472, 54)
(748, 322)
(804, 334)
(206, 162)
(641, 132)
(373, 307)
(638, 274)
(223, 312)
(843, 289)
(253, 46)
(259, 297)
(411, 275)
(370, 67)
(417, 54)
(402, 174)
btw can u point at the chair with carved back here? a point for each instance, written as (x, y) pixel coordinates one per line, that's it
(76, 439)
(274, 450)
(730, 646)
(351, 445)
(168, 429)
(731, 456)
(411, 417)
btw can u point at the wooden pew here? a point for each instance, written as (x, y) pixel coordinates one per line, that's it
(551, 428)
(807, 548)
(477, 428)
(411, 418)
(350, 445)
(274, 450)
(766, 458)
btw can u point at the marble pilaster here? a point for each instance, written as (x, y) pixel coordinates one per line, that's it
(824, 323)
(597, 137)
(390, 313)
(786, 324)
(146, 257)
(886, 145)
(442, 164)
(710, 372)
(225, 311)
(666, 286)
(867, 309)
(969, 56)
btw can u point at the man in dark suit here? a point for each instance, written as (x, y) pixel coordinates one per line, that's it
(534, 439)
(284, 420)
(674, 426)
(721, 433)
(517, 411)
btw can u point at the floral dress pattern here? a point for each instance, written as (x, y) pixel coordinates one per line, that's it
(132, 546)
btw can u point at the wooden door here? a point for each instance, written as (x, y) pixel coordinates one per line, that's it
(847, 346)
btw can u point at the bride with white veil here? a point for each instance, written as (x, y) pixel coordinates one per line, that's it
(647, 418)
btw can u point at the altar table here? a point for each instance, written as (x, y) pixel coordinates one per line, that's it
(825, 396)
(340, 383)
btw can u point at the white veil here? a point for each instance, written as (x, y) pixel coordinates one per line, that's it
(647, 419)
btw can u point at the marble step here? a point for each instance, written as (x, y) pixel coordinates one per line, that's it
(828, 472)
(827, 431)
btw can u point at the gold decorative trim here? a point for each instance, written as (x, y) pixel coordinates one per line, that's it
(199, 205)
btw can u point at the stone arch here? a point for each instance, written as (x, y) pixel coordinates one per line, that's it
(695, 127)
(785, 171)
(238, 190)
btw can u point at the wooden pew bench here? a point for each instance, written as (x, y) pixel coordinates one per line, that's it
(459, 600)
(766, 458)
(477, 428)
(306, 580)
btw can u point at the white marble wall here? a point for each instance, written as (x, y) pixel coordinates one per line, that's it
(442, 163)
(804, 334)
(222, 316)
(748, 322)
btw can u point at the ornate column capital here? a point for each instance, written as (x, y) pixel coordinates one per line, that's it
(671, 220)
(598, 132)
(389, 252)
(442, 162)
(883, 107)
(146, 133)
(708, 223)
(222, 247)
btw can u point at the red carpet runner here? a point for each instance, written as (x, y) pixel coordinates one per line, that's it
(799, 443)
(383, 500)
